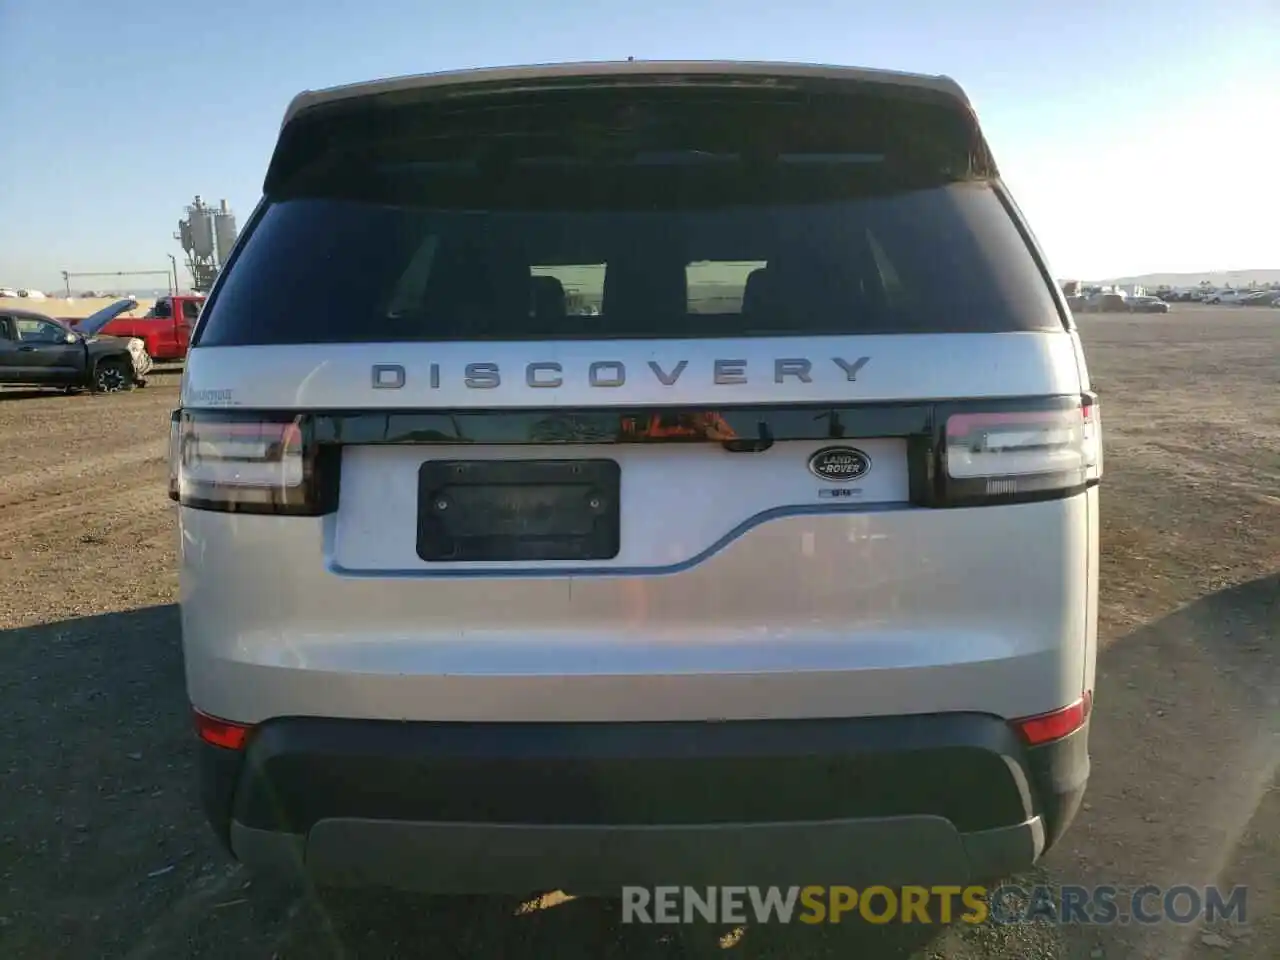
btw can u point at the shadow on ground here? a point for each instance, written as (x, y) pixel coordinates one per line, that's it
(1185, 745)
(106, 853)
(96, 779)
(160, 374)
(28, 393)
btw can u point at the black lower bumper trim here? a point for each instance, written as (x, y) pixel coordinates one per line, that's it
(471, 858)
(969, 769)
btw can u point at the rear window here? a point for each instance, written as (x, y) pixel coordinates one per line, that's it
(751, 225)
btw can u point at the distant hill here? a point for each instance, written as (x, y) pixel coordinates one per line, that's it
(1217, 278)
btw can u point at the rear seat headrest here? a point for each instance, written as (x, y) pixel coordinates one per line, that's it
(755, 292)
(548, 297)
(651, 285)
(478, 287)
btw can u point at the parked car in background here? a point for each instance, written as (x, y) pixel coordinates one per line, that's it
(165, 329)
(1106, 303)
(1225, 297)
(1147, 305)
(1259, 298)
(40, 351)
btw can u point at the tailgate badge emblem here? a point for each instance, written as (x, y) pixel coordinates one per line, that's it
(839, 464)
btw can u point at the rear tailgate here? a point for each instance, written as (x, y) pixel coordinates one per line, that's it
(656, 370)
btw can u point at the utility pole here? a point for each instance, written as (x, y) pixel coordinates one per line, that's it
(174, 262)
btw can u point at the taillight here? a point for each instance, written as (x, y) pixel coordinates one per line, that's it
(240, 463)
(1016, 451)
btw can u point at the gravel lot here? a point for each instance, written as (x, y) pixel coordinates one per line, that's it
(103, 852)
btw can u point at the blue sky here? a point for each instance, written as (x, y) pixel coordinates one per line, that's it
(1137, 135)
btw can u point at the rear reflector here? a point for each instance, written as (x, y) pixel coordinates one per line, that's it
(220, 733)
(241, 465)
(1048, 727)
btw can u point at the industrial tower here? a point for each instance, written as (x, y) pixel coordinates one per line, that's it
(207, 236)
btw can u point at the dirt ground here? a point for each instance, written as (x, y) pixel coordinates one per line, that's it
(103, 852)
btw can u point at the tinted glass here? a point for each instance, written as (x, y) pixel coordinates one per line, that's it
(938, 260)
(590, 217)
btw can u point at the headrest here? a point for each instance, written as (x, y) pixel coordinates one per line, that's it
(479, 288)
(548, 297)
(755, 292)
(645, 286)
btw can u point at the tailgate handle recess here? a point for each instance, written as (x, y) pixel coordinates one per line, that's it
(762, 441)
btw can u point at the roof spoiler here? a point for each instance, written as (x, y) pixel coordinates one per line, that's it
(312, 118)
(603, 73)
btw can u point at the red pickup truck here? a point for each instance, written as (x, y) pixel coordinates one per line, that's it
(165, 328)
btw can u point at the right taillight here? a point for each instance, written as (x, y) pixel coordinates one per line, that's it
(1012, 452)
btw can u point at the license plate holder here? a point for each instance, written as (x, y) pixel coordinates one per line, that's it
(472, 511)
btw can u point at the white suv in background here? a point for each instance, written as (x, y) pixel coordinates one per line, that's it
(638, 473)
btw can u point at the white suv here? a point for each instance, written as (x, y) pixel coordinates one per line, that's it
(638, 473)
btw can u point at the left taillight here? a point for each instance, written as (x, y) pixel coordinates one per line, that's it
(238, 463)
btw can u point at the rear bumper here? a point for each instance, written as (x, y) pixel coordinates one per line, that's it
(511, 808)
